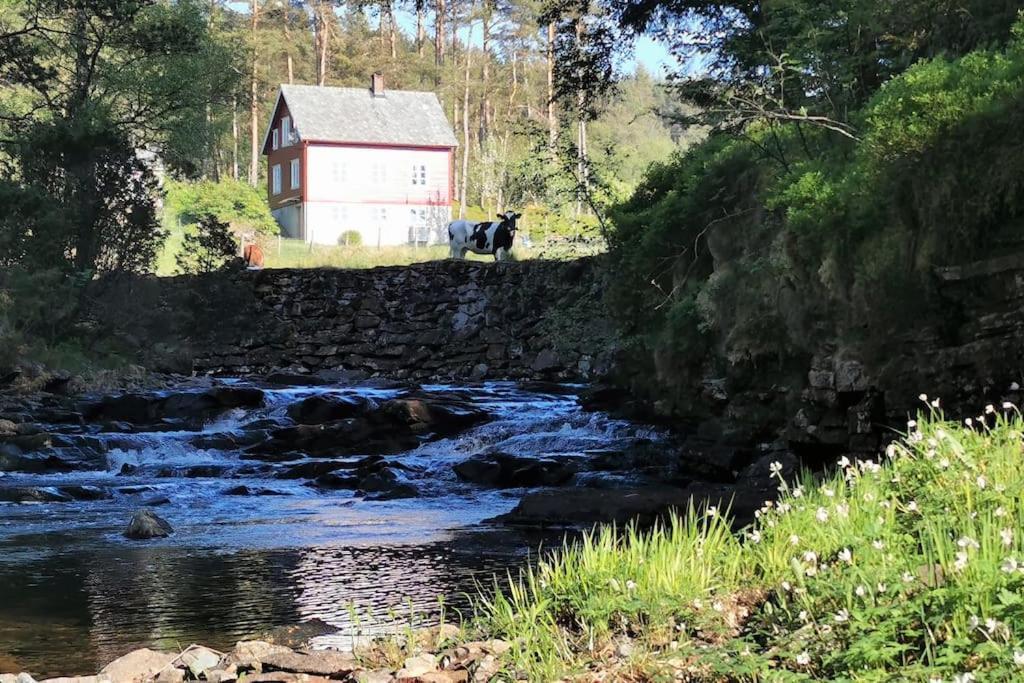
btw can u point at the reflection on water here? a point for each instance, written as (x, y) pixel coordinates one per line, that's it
(76, 614)
(75, 594)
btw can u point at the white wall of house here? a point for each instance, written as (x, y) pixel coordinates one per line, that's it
(390, 196)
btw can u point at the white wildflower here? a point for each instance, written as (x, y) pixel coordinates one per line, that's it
(786, 586)
(1007, 536)
(907, 577)
(698, 604)
(961, 561)
(1000, 511)
(935, 403)
(846, 556)
(923, 397)
(712, 511)
(982, 482)
(912, 506)
(969, 422)
(755, 536)
(843, 510)
(822, 515)
(881, 587)
(877, 544)
(963, 678)
(798, 492)
(844, 462)
(717, 606)
(968, 542)
(911, 424)
(775, 467)
(829, 493)
(803, 659)
(974, 622)
(1007, 405)
(1010, 565)
(842, 616)
(990, 409)
(944, 463)
(1018, 658)
(1014, 386)
(803, 616)
(631, 585)
(794, 539)
(991, 625)
(861, 591)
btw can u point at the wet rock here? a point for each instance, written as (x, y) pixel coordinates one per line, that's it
(549, 388)
(75, 679)
(315, 468)
(396, 492)
(8, 427)
(128, 469)
(294, 379)
(34, 494)
(262, 424)
(341, 438)
(156, 501)
(501, 470)
(140, 665)
(249, 654)
(252, 491)
(146, 524)
(320, 409)
(152, 408)
(86, 492)
(570, 507)
(12, 459)
(194, 472)
(546, 361)
(436, 413)
(333, 481)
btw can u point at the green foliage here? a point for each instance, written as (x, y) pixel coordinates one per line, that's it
(765, 246)
(238, 204)
(350, 238)
(207, 247)
(911, 569)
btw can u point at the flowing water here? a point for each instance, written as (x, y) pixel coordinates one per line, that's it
(74, 593)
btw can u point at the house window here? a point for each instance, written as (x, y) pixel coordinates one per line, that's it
(277, 139)
(339, 173)
(382, 214)
(275, 174)
(286, 131)
(295, 174)
(419, 174)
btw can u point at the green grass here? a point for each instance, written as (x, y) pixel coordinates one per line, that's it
(904, 570)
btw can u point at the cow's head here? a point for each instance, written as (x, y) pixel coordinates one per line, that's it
(509, 220)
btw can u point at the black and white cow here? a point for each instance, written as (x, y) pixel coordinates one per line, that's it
(489, 237)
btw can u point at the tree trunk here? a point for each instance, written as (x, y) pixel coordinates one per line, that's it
(485, 104)
(234, 138)
(288, 44)
(582, 167)
(322, 36)
(465, 126)
(552, 116)
(254, 100)
(439, 19)
(421, 32)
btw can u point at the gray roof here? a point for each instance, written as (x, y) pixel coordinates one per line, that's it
(400, 117)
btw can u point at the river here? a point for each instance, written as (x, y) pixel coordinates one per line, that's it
(75, 593)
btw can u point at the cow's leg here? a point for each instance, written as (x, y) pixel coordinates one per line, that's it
(453, 251)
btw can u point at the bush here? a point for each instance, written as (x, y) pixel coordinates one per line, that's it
(233, 202)
(207, 247)
(350, 238)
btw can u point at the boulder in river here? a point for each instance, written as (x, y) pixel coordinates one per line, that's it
(137, 666)
(320, 409)
(146, 524)
(502, 470)
(34, 494)
(148, 408)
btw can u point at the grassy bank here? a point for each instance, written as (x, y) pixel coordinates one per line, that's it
(911, 569)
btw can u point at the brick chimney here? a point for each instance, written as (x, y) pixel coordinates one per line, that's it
(377, 84)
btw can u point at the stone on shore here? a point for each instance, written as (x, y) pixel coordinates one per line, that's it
(147, 524)
(138, 666)
(501, 470)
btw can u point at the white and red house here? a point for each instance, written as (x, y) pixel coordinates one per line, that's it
(377, 162)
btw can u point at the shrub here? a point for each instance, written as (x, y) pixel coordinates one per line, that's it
(207, 247)
(234, 202)
(350, 238)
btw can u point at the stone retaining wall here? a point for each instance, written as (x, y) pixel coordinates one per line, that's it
(441, 319)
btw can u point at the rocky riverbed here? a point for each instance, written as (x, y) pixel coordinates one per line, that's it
(276, 500)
